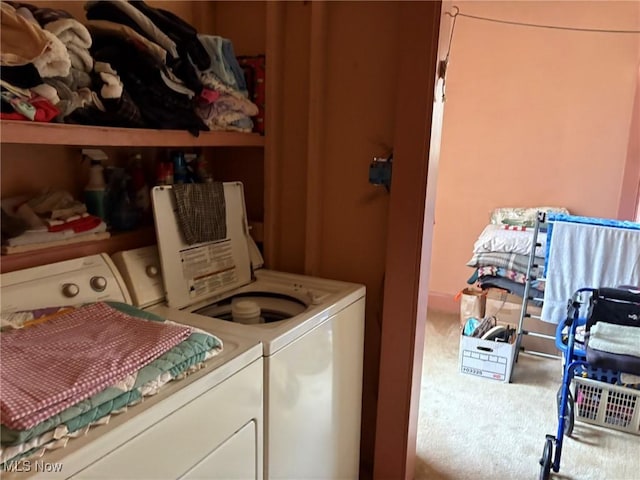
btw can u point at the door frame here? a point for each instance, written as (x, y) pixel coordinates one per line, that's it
(418, 125)
(629, 206)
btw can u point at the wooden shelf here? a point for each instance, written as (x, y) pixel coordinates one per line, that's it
(118, 241)
(28, 133)
(34, 133)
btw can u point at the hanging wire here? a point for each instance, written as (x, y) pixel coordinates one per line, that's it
(443, 64)
(535, 25)
(453, 27)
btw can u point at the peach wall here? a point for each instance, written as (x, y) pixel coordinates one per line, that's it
(533, 116)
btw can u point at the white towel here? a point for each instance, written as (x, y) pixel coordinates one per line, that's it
(70, 30)
(587, 256)
(55, 60)
(629, 378)
(497, 238)
(612, 338)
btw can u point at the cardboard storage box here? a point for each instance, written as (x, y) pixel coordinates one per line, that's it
(486, 358)
(506, 308)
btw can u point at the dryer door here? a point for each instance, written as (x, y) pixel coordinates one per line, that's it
(200, 437)
(232, 459)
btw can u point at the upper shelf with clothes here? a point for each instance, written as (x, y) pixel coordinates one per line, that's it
(126, 65)
(20, 132)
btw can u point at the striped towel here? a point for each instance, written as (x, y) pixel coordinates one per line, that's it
(51, 366)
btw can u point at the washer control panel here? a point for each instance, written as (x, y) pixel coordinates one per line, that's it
(140, 269)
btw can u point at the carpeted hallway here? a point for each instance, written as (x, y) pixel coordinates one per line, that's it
(476, 428)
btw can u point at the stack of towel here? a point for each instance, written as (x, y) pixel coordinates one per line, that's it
(615, 347)
(230, 108)
(613, 339)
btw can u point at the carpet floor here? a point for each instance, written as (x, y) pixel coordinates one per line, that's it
(477, 428)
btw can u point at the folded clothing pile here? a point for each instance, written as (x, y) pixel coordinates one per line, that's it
(128, 65)
(78, 366)
(616, 347)
(46, 219)
(501, 252)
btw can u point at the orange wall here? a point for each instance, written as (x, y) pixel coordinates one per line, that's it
(532, 116)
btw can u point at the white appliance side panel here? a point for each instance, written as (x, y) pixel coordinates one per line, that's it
(194, 272)
(313, 401)
(171, 437)
(230, 461)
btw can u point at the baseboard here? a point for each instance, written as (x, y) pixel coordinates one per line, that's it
(443, 302)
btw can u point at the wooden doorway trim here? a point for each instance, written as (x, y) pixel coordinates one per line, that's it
(411, 216)
(629, 206)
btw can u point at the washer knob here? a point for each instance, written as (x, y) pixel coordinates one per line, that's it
(98, 283)
(152, 271)
(70, 290)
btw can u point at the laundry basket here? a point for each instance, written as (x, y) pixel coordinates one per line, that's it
(607, 405)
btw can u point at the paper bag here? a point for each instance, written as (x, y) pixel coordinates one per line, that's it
(472, 304)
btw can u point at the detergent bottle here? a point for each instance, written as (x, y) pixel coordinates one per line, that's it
(95, 190)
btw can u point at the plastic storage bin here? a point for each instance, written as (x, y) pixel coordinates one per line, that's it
(607, 405)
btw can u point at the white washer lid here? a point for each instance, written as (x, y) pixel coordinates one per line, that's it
(196, 272)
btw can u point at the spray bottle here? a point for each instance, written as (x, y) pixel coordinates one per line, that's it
(95, 190)
(139, 188)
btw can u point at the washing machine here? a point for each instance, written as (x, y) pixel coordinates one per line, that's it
(206, 425)
(311, 330)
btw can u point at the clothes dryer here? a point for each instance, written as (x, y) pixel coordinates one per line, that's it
(206, 425)
(311, 330)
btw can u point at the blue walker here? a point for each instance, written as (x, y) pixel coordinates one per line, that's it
(588, 306)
